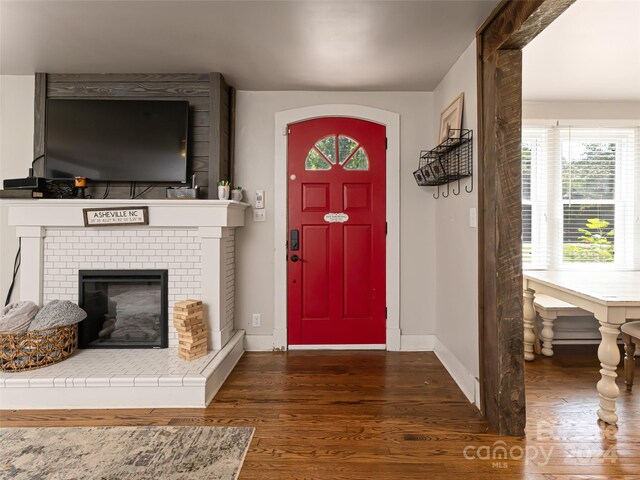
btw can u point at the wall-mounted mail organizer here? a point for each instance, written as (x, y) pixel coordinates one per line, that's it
(450, 161)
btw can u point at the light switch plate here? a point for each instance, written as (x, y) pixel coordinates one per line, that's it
(259, 199)
(473, 217)
(260, 215)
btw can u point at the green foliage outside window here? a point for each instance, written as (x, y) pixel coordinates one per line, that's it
(595, 243)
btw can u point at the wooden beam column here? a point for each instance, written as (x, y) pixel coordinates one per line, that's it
(512, 25)
(501, 203)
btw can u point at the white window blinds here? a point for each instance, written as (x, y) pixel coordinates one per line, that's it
(534, 195)
(579, 196)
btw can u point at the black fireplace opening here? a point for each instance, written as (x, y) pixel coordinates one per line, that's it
(125, 309)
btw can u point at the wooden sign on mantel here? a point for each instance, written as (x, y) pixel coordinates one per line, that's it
(116, 216)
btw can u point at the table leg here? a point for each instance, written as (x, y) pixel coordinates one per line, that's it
(547, 333)
(609, 357)
(629, 360)
(528, 319)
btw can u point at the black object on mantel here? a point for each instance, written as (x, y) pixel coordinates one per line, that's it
(28, 183)
(18, 194)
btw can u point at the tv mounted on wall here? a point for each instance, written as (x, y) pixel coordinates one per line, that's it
(116, 140)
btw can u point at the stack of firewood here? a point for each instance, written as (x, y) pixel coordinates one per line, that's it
(192, 333)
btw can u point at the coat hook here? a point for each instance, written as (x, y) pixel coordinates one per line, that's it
(445, 196)
(454, 189)
(466, 189)
(437, 196)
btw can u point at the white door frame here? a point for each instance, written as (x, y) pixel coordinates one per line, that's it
(391, 121)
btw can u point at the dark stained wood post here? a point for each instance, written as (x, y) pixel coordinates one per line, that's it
(502, 280)
(512, 25)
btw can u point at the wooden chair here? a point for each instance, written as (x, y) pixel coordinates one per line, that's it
(631, 338)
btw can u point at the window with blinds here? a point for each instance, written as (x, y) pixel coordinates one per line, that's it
(534, 188)
(579, 196)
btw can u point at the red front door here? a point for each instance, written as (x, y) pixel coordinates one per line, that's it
(336, 272)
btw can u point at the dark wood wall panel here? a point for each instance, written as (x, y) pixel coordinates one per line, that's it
(200, 134)
(127, 90)
(39, 115)
(209, 153)
(129, 77)
(199, 119)
(219, 117)
(199, 149)
(232, 133)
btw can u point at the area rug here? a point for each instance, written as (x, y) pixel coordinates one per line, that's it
(123, 453)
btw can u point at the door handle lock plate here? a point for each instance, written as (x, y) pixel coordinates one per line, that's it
(294, 240)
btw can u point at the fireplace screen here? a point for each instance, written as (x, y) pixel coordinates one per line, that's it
(125, 309)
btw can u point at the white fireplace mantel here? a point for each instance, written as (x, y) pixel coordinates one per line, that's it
(162, 213)
(213, 219)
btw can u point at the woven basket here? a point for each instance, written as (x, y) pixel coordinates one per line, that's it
(36, 348)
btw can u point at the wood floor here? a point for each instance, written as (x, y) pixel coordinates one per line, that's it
(377, 415)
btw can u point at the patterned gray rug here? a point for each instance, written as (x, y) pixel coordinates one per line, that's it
(123, 453)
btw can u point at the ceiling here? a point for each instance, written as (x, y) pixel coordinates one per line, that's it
(257, 45)
(590, 53)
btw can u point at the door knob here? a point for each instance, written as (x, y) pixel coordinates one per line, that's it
(295, 258)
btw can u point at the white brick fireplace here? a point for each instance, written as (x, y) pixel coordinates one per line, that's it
(67, 250)
(194, 240)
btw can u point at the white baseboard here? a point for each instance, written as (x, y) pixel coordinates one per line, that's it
(258, 343)
(393, 339)
(408, 343)
(417, 343)
(465, 380)
(476, 394)
(280, 338)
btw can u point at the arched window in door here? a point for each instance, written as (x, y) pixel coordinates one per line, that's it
(337, 151)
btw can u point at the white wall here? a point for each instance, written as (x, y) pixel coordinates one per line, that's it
(254, 169)
(16, 154)
(623, 113)
(457, 245)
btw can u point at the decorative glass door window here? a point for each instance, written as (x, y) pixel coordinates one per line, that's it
(337, 151)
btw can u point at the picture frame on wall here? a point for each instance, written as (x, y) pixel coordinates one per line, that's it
(451, 119)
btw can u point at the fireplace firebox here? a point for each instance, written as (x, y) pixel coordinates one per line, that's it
(125, 309)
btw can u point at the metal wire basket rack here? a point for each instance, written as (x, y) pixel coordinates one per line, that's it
(450, 161)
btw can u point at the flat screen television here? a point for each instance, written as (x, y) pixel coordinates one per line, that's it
(116, 140)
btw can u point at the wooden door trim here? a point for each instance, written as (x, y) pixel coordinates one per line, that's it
(511, 26)
(391, 121)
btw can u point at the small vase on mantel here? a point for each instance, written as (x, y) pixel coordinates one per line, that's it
(223, 192)
(236, 194)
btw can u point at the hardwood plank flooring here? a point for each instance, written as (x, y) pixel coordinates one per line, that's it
(378, 415)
